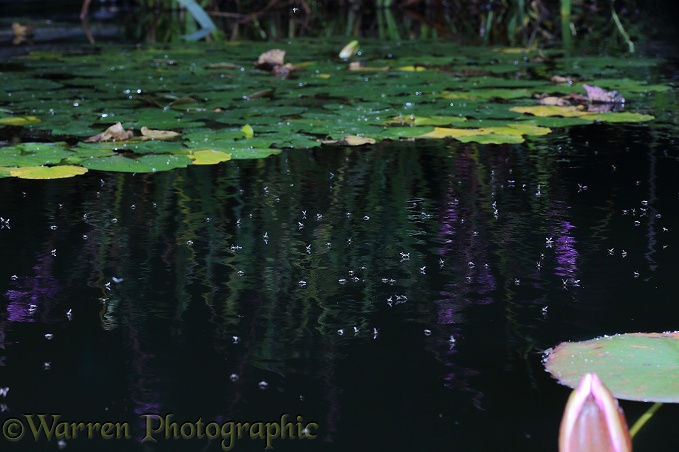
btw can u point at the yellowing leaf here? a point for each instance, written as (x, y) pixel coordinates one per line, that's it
(530, 129)
(18, 120)
(514, 50)
(248, 131)
(349, 50)
(494, 138)
(351, 140)
(356, 66)
(47, 172)
(209, 157)
(150, 134)
(411, 68)
(551, 110)
(509, 134)
(445, 132)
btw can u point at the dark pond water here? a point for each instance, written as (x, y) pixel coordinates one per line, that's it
(395, 297)
(180, 293)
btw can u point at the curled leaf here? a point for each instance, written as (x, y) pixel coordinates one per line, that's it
(150, 134)
(596, 94)
(349, 50)
(270, 58)
(248, 131)
(113, 133)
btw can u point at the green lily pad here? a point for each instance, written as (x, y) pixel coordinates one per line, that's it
(47, 172)
(635, 366)
(34, 154)
(144, 164)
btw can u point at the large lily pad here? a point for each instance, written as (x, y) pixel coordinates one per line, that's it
(635, 366)
(145, 164)
(47, 172)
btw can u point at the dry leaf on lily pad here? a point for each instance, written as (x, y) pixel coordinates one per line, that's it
(271, 58)
(635, 366)
(22, 33)
(596, 94)
(273, 61)
(113, 133)
(554, 100)
(351, 140)
(150, 134)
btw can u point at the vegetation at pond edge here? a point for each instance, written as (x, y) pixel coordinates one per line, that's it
(207, 103)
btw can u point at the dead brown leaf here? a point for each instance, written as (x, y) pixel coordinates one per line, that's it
(274, 57)
(150, 134)
(597, 94)
(561, 79)
(273, 61)
(554, 100)
(22, 33)
(113, 133)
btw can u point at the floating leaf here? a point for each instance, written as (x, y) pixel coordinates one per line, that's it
(247, 130)
(551, 110)
(425, 121)
(271, 58)
(113, 133)
(351, 140)
(34, 154)
(597, 94)
(18, 120)
(635, 366)
(623, 116)
(209, 157)
(349, 50)
(151, 134)
(509, 134)
(47, 172)
(145, 164)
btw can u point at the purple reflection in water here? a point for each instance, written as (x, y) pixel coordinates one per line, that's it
(32, 293)
(565, 253)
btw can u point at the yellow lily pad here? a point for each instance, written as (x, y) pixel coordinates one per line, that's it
(551, 110)
(18, 120)
(509, 134)
(209, 157)
(47, 172)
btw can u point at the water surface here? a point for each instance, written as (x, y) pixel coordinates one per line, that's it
(400, 296)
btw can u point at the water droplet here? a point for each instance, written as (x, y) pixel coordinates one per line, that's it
(233, 377)
(235, 339)
(263, 384)
(49, 336)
